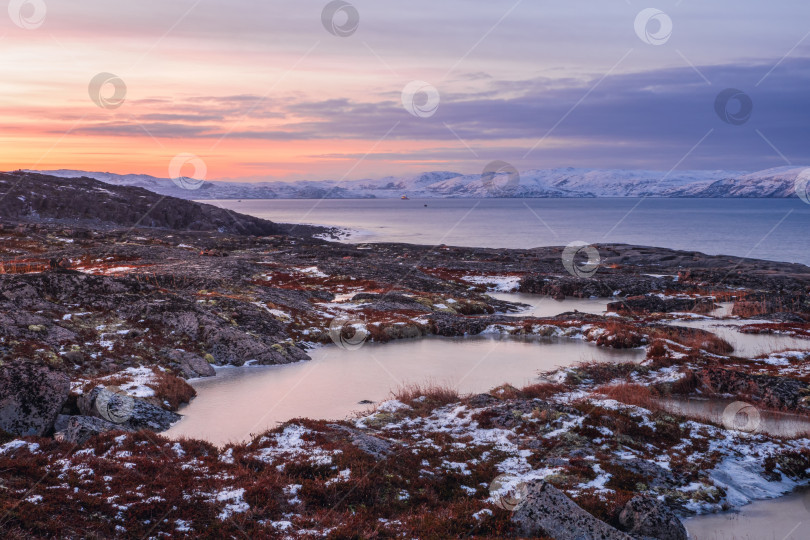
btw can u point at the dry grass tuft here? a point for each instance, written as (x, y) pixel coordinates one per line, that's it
(629, 393)
(542, 390)
(432, 394)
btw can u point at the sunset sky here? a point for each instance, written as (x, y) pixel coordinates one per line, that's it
(261, 89)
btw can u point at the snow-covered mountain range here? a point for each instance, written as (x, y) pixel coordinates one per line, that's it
(569, 182)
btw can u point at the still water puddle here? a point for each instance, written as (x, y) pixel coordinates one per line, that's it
(546, 306)
(242, 401)
(747, 345)
(785, 518)
(773, 423)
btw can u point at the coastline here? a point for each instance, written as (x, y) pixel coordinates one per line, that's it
(394, 315)
(105, 326)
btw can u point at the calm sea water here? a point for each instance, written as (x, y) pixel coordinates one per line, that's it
(774, 229)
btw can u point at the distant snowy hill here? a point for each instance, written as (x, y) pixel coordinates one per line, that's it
(569, 182)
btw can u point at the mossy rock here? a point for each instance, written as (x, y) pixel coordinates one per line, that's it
(279, 348)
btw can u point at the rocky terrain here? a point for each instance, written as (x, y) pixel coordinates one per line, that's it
(39, 197)
(104, 316)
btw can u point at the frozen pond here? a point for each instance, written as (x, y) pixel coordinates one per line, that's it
(785, 518)
(245, 400)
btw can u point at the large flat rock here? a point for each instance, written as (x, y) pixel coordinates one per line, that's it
(548, 511)
(30, 398)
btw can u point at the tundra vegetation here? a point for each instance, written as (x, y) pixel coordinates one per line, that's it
(102, 323)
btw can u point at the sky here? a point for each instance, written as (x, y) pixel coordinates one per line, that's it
(306, 89)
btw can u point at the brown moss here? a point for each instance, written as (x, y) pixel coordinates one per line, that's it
(629, 393)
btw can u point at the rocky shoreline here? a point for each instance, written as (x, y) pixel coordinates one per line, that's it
(102, 321)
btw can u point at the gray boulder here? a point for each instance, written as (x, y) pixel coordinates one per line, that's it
(192, 365)
(127, 412)
(547, 511)
(373, 446)
(645, 517)
(61, 423)
(80, 428)
(31, 397)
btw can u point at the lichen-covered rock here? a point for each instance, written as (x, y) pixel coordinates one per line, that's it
(655, 304)
(31, 397)
(772, 391)
(373, 446)
(548, 511)
(192, 365)
(80, 428)
(645, 517)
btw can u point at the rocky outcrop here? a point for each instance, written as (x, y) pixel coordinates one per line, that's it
(31, 397)
(80, 428)
(38, 196)
(655, 304)
(648, 518)
(547, 511)
(192, 365)
(759, 304)
(390, 302)
(604, 286)
(250, 333)
(774, 392)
